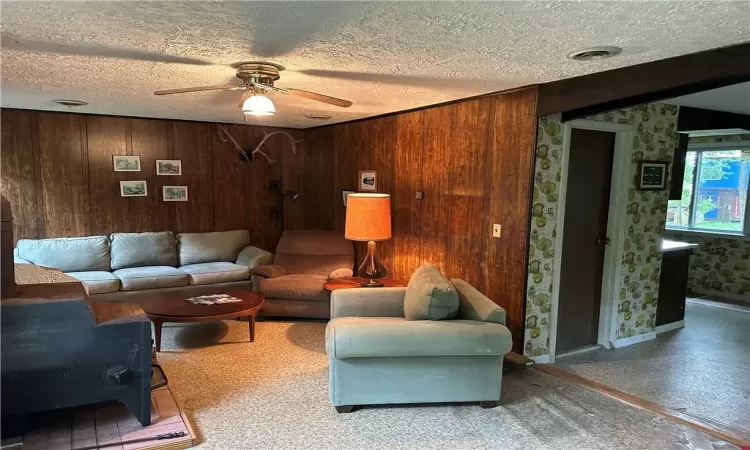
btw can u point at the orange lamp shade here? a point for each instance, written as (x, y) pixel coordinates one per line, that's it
(368, 217)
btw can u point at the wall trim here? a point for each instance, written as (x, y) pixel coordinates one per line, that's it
(669, 326)
(720, 294)
(638, 338)
(543, 359)
(621, 177)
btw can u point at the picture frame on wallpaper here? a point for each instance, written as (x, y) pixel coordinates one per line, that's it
(368, 180)
(133, 188)
(174, 193)
(651, 176)
(344, 194)
(125, 163)
(171, 167)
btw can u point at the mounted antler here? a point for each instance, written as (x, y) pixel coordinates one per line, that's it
(224, 136)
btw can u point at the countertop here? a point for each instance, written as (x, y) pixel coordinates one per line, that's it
(673, 246)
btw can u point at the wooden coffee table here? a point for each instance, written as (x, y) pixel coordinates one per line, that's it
(355, 282)
(172, 307)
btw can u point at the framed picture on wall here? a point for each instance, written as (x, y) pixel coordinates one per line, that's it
(344, 194)
(124, 163)
(168, 167)
(133, 189)
(368, 180)
(652, 176)
(174, 193)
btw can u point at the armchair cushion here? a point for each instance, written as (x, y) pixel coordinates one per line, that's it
(340, 273)
(430, 296)
(294, 287)
(475, 306)
(365, 337)
(268, 271)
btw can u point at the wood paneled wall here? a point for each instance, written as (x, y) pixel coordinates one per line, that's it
(473, 161)
(57, 173)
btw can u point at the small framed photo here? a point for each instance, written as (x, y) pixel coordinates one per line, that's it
(133, 189)
(344, 194)
(174, 193)
(368, 180)
(168, 167)
(124, 163)
(652, 175)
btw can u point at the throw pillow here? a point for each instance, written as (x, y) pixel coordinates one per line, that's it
(430, 296)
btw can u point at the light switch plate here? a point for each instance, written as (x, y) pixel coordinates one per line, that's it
(496, 230)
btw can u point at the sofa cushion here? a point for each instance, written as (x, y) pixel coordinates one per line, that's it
(371, 337)
(150, 277)
(430, 296)
(215, 272)
(77, 254)
(294, 287)
(143, 249)
(97, 281)
(195, 248)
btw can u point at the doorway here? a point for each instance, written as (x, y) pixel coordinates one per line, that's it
(584, 238)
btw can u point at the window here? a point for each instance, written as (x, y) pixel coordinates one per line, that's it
(714, 192)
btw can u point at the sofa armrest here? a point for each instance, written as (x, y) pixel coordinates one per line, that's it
(253, 256)
(269, 271)
(473, 305)
(340, 273)
(368, 302)
(374, 337)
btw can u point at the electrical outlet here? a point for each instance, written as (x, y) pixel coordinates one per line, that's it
(496, 230)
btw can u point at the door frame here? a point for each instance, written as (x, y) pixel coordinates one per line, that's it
(620, 183)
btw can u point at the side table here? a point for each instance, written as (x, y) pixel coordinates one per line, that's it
(355, 282)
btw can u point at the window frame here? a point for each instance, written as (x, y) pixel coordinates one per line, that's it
(690, 229)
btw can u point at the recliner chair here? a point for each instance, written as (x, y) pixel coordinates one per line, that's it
(304, 260)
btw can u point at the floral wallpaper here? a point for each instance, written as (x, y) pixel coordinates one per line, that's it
(721, 265)
(646, 211)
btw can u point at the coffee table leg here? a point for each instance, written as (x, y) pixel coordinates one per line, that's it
(157, 331)
(251, 321)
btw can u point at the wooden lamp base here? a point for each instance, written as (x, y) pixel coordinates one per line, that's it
(371, 268)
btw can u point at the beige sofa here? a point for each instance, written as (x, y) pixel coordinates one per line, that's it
(131, 266)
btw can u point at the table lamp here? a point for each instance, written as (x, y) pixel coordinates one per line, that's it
(368, 219)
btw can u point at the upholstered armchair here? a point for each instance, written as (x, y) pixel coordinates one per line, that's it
(304, 260)
(414, 345)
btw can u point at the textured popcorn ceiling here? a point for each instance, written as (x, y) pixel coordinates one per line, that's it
(734, 99)
(385, 56)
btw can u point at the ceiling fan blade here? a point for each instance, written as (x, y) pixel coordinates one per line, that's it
(319, 97)
(197, 89)
(244, 97)
(17, 43)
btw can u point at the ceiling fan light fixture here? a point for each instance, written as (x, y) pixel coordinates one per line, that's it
(258, 105)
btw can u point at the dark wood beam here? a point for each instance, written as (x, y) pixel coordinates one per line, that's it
(645, 83)
(698, 119)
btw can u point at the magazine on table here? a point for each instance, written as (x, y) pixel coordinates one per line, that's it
(215, 299)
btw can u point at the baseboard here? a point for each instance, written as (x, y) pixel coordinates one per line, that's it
(587, 349)
(720, 294)
(669, 326)
(624, 342)
(544, 359)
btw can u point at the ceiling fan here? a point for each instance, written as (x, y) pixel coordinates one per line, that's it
(258, 79)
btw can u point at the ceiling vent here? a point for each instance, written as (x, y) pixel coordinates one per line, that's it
(594, 53)
(71, 103)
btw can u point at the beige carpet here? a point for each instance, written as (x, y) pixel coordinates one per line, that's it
(273, 394)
